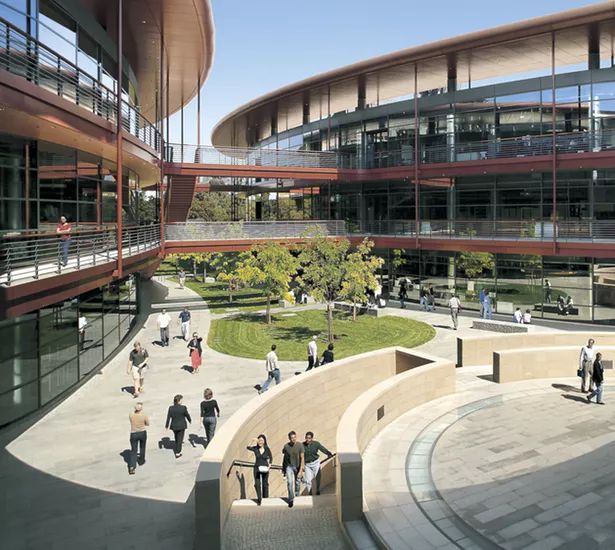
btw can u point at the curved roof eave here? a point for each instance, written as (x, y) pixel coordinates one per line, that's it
(447, 46)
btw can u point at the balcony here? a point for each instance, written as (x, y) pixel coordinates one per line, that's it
(34, 255)
(24, 56)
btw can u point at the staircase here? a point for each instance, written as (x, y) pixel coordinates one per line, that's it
(179, 197)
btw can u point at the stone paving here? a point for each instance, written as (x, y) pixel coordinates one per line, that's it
(65, 482)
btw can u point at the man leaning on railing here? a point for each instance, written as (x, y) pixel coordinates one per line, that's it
(64, 230)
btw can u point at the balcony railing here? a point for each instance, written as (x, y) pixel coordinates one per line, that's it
(522, 230)
(237, 156)
(32, 255)
(22, 55)
(220, 231)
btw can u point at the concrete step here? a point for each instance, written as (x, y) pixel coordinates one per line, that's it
(321, 501)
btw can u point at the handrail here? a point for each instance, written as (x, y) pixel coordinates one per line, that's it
(25, 56)
(246, 464)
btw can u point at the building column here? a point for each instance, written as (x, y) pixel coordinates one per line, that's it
(593, 47)
(118, 140)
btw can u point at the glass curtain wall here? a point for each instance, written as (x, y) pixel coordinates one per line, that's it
(47, 352)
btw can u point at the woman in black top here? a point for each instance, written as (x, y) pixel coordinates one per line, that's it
(195, 352)
(598, 379)
(176, 421)
(209, 411)
(262, 463)
(327, 355)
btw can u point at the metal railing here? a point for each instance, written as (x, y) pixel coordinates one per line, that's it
(246, 464)
(22, 55)
(237, 156)
(31, 255)
(203, 231)
(522, 230)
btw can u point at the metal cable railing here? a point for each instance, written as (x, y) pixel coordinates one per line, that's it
(238, 156)
(23, 55)
(32, 255)
(246, 464)
(202, 231)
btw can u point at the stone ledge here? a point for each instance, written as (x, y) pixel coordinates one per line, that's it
(499, 326)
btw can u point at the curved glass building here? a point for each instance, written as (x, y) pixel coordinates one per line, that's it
(86, 87)
(485, 161)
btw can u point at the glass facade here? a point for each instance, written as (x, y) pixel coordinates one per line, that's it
(45, 353)
(40, 181)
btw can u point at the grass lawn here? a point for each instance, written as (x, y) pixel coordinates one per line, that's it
(250, 336)
(216, 296)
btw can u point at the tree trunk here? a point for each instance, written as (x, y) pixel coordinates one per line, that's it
(330, 322)
(230, 293)
(268, 309)
(204, 271)
(194, 268)
(354, 311)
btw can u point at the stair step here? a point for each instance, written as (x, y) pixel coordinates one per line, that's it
(277, 502)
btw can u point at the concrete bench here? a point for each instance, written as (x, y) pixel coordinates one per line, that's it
(361, 310)
(499, 326)
(552, 308)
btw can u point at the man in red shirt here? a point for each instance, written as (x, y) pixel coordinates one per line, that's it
(63, 229)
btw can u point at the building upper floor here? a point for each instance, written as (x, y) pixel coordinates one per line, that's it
(524, 89)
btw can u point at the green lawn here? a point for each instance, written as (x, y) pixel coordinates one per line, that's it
(250, 336)
(216, 296)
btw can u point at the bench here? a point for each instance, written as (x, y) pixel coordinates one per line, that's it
(361, 310)
(552, 308)
(499, 326)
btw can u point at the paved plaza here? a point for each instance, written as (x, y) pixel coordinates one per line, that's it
(65, 478)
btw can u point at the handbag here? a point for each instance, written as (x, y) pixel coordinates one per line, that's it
(263, 469)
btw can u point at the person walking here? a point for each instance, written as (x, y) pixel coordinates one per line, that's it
(586, 360)
(182, 278)
(455, 306)
(481, 301)
(312, 353)
(312, 461)
(196, 352)
(82, 325)
(210, 412)
(163, 321)
(137, 365)
(184, 319)
(423, 299)
(292, 466)
(273, 370)
(403, 293)
(327, 355)
(548, 291)
(598, 378)
(177, 416)
(63, 228)
(138, 437)
(262, 464)
(487, 306)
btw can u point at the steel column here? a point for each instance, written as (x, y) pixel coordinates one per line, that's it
(162, 141)
(118, 140)
(417, 220)
(553, 145)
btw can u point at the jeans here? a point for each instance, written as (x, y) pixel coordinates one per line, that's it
(137, 439)
(402, 302)
(454, 315)
(274, 375)
(164, 336)
(597, 392)
(64, 246)
(587, 375)
(311, 362)
(487, 312)
(292, 483)
(261, 484)
(209, 423)
(312, 472)
(185, 329)
(179, 440)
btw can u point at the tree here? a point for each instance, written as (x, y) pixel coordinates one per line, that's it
(324, 270)
(397, 260)
(270, 267)
(361, 267)
(226, 266)
(195, 260)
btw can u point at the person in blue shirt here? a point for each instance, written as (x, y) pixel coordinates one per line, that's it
(184, 319)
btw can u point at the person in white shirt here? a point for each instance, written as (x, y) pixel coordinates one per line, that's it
(273, 370)
(163, 321)
(527, 317)
(586, 362)
(455, 305)
(83, 323)
(312, 351)
(518, 316)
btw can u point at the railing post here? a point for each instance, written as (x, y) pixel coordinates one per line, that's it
(78, 239)
(8, 265)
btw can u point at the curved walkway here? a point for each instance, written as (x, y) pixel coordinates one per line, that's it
(520, 465)
(65, 481)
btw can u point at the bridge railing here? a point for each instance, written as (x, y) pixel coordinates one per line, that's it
(238, 156)
(30, 255)
(221, 231)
